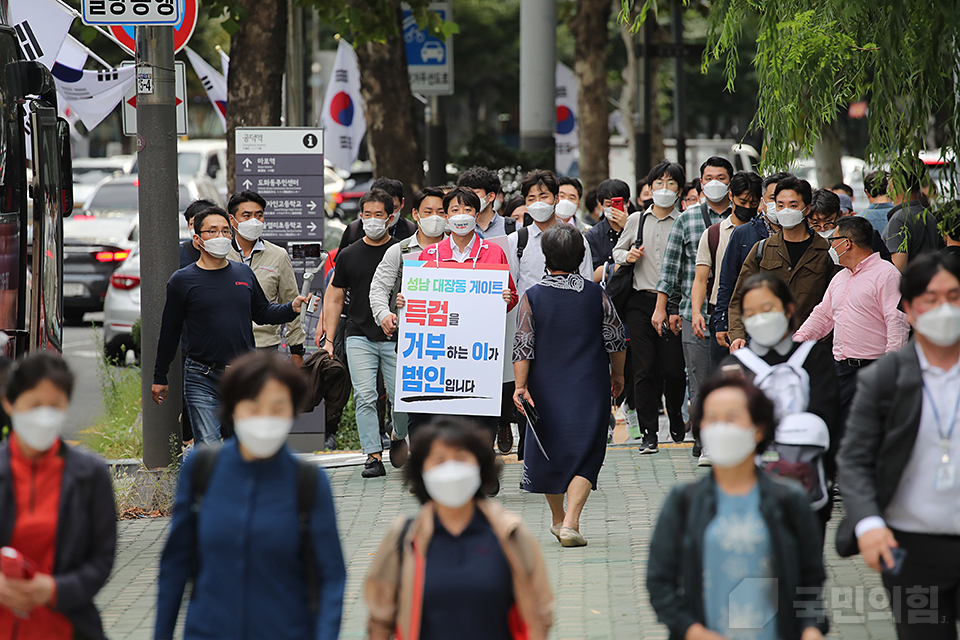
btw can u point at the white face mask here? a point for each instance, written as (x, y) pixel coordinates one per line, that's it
(250, 229)
(462, 224)
(789, 218)
(767, 329)
(940, 325)
(664, 198)
(452, 483)
(262, 436)
(715, 190)
(826, 235)
(728, 444)
(834, 255)
(566, 209)
(540, 211)
(374, 228)
(38, 428)
(772, 213)
(432, 226)
(394, 219)
(217, 247)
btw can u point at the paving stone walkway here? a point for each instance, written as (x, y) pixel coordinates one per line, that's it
(600, 589)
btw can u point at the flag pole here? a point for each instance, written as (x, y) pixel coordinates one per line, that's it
(103, 32)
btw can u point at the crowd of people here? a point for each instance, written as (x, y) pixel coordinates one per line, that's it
(806, 351)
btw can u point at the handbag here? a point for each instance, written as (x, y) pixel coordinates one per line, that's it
(619, 286)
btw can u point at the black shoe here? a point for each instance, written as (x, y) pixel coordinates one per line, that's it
(373, 468)
(650, 443)
(697, 449)
(493, 490)
(505, 438)
(398, 453)
(330, 442)
(678, 433)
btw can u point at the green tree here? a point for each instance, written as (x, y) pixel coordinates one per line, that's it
(814, 57)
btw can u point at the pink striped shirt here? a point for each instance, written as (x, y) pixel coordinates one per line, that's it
(860, 307)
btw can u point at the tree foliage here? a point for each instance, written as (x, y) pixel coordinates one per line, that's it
(359, 21)
(814, 57)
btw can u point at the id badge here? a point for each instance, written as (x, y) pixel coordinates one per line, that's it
(946, 477)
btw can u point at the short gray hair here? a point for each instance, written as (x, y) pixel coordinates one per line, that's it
(563, 248)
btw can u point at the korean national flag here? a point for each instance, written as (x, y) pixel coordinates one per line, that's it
(214, 84)
(93, 94)
(41, 27)
(342, 117)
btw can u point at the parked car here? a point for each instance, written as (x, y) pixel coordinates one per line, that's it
(93, 246)
(122, 194)
(202, 158)
(121, 308)
(88, 172)
(347, 202)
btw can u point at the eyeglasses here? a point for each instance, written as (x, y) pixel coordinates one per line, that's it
(838, 238)
(824, 226)
(213, 233)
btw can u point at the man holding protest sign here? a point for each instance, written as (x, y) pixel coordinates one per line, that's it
(464, 249)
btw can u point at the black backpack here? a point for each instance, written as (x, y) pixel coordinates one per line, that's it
(206, 460)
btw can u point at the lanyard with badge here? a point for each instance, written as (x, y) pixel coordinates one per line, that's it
(946, 471)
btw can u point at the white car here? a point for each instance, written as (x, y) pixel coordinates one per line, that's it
(432, 51)
(121, 308)
(202, 158)
(88, 172)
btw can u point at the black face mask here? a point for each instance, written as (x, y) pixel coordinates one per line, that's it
(744, 214)
(647, 203)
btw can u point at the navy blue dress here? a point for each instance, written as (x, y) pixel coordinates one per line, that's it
(566, 327)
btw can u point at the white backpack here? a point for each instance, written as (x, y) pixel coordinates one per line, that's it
(786, 384)
(801, 439)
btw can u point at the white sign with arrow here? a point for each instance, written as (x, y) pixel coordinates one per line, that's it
(129, 112)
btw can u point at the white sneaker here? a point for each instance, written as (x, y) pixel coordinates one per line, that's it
(704, 461)
(633, 422)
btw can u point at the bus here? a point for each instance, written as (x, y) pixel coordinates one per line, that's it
(35, 196)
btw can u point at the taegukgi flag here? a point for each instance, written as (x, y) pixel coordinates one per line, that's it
(93, 94)
(214, 84)
(567, 140)
(342, 116)
(41, 27)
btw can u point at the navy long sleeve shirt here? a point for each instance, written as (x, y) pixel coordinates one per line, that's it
(216, 307)
(251, 583)
(742, 240)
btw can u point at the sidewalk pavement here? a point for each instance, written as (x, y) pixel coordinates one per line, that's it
(600, 589)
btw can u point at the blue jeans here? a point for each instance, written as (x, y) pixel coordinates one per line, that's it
(364, 358)
(200, 383)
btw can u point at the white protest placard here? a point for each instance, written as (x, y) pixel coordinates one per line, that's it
(451, 340)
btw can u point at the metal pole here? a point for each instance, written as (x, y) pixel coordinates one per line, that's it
(679, 84)
(159, 195)
(436, 142)
(538, 74)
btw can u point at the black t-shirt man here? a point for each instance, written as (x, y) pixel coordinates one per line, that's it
(797, 249)
(354, 231)
(355, 268)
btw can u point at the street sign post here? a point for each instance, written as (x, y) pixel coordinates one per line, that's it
(125, 33)
(130, 12)
(429, 59)
(285, 166)
(129, 104)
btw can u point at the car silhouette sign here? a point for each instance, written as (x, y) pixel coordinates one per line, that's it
(432, 51)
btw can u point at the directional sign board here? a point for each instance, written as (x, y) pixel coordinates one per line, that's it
(285, 166)
(131, 12)
(429, 59)
(129, 111)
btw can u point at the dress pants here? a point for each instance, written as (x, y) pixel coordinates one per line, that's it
(657, 365)
(925, 596)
